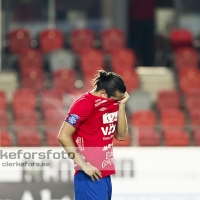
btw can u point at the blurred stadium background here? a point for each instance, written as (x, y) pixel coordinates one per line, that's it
(51, 49)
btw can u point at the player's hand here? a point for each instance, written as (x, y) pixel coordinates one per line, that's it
(92, 171)
(125, 98)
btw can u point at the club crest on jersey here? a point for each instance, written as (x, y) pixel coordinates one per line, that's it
(109, 117)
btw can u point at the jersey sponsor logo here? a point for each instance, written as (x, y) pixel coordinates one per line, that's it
(99, 103)
(102, 109)
(109, 159)
(108, 137)
(72, 119)
(109, 117)
(105, 148)
(80, 143)
(108, 129)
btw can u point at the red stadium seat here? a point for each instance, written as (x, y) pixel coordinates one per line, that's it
(189, 79)
(144, 119)
(181, 38)
(123, 59)
(81, 39)
(51, 138)
(28, 138)
(148, 138)
(168, 99)
(186, 58)
(4, 121)
(193, 93)
(176, 138)
(196, 135)
(130, 78)
(91, 60)
(112, 39)
(30, 58)
(52, 99)
(51, 39)
(172, 119)
(195, 119)
(19, 39)
(26, 120)
(123, 143)
(192, 103)
(33, 79)
(3, 101)
(24, 100)
(64, 79)
(5, 139)
(53, 119)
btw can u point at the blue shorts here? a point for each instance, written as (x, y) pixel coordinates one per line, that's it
(86, 189)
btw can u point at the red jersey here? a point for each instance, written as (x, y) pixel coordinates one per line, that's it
(94, 119)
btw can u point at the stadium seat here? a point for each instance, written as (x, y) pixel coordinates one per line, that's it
(192, 103)
(50, 40)
(24, 100)
(172, 119)
(138, 100)
(5, 139)
(130, 78)
(112, 39)
(53, 119)
(3, 101)
(189, 79)
(33, 79)
(91, 60)
(81, 39)
(143, 120)
(64, 79)
(176, 138)
(61, 59)
(28, 138)
(123, 143)
(196, 135)
(51, 138)
(4, 120)
(181, 38)
(123, 59)
(30, 58)
(27, 119)
(148, 138)
(186, 58)
(19, 39)
(52, 99)
(168, 99)
(195, 119)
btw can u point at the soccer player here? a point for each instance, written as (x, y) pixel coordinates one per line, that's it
(87, 132)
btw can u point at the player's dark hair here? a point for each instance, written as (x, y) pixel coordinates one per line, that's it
(110, 82)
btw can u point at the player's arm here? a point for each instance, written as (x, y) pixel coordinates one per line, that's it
(65, 138)
(122, 125)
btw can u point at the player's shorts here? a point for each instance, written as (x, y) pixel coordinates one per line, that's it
(86, 189)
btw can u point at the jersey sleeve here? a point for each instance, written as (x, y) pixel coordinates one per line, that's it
(78, 112)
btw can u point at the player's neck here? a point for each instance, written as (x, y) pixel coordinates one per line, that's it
(95, 93)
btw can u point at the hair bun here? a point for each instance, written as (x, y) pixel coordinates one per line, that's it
(102, 74)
